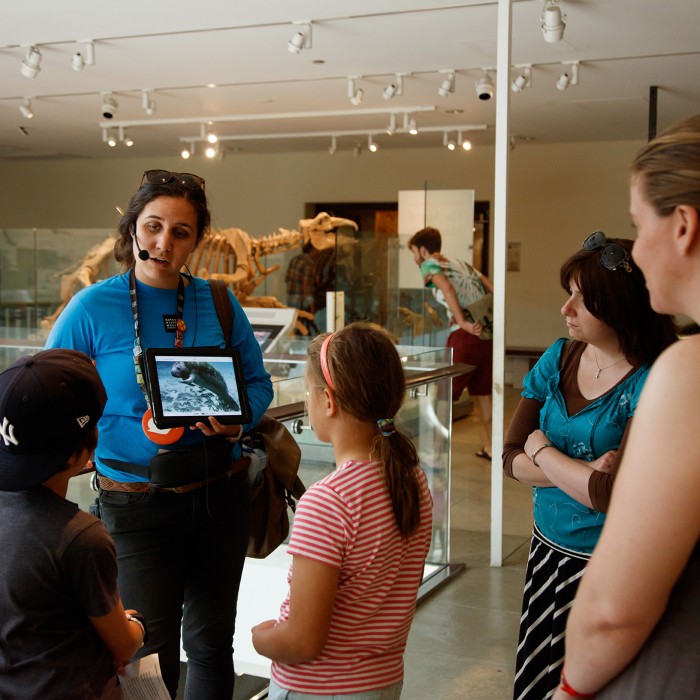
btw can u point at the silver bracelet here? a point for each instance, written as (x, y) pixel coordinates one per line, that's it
(538, 450)
(131, 618)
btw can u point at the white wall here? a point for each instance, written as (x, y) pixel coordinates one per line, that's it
(559, 193)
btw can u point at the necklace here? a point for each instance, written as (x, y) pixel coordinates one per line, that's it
(602, 369)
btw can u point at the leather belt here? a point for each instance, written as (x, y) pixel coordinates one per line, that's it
(107, 484)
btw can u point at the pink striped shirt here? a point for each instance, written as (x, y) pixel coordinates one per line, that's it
(346, 521)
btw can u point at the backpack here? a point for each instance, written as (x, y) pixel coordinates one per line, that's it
(278, 484)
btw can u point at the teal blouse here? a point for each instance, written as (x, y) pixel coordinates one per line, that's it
(599, 427)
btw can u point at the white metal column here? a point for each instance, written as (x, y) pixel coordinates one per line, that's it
(499, 273)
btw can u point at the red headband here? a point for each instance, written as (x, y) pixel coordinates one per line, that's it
(324, 361)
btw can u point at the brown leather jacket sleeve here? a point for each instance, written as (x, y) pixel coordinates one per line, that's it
(525, 419)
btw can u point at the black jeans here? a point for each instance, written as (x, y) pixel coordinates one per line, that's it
(180, 561)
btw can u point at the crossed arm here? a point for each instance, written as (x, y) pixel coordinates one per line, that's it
(554, 468)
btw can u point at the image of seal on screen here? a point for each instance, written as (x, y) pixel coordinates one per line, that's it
(187, 385)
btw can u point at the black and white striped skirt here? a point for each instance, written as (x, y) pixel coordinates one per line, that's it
(553, 575)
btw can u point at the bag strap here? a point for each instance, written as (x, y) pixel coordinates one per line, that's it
(219, 292)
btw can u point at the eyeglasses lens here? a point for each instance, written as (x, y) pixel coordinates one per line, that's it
(596, 240)
(613, 256)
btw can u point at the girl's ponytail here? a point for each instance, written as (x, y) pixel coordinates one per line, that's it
(361, 365)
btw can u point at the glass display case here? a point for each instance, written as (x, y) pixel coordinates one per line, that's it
(39, 268)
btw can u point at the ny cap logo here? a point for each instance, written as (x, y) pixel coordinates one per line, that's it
(7, 432)
(83, 421)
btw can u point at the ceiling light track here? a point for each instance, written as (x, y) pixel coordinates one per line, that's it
(332, 134)
(228, 118)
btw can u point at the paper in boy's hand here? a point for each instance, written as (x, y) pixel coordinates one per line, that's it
(142, 680)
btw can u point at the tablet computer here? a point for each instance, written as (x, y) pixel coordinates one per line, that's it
(187, 385)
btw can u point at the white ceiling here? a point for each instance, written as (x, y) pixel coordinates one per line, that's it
(177, 49)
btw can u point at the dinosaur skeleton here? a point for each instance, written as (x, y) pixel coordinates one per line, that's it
(235, 257)
(230, 255)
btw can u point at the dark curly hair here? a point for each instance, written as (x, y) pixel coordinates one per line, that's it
(123, 247)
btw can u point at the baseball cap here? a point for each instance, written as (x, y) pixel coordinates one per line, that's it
(47, 402)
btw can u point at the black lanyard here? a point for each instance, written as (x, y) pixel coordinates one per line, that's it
(179, 328)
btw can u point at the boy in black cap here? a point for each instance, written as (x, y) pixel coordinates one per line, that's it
(63, 629)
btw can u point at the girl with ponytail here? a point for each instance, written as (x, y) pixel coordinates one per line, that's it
(360, 535)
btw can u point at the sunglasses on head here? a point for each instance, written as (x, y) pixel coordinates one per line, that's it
(160, 177)
(612, 255)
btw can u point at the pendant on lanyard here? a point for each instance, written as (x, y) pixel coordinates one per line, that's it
(161, 436)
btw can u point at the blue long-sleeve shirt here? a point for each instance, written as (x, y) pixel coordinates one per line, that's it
(99, 322)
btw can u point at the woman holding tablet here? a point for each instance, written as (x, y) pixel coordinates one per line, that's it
(175, 499)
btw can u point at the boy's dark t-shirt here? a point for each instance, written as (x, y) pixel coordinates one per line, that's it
(57, 567)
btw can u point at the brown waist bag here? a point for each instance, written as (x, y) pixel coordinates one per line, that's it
(275, 487)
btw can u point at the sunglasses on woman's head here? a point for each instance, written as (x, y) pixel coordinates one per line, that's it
(612, 255)
(160, 177)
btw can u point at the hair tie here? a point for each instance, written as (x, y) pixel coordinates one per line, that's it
(324, 361)
(386, 426)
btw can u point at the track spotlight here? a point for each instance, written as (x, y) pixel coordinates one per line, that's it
(484, 86)
(357, 149)
(109, 105)
(389, 91)
(409, 124)
(206, 133)
(522, 80)
(78, 62)
(394, 89)
(187, 151)
(31, 65)
(26, 109)
(111, 140)
(467, 145)
(372, 145)
(552, 22)
(355, 95)
(569, 77)
(83, 58)
(333, 147)
(447, 141)
(128, 141)
(301, 39)
(448, 84)
(214, 151)
(147, 104)
(89, 53)
(391, 128)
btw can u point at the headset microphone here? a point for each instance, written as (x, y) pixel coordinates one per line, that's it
(143, 254)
